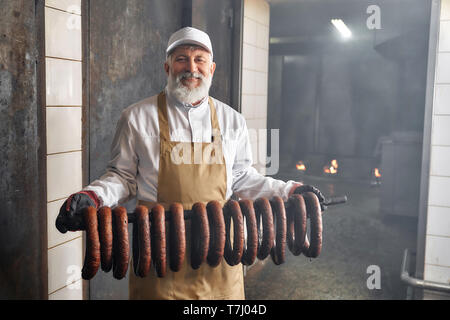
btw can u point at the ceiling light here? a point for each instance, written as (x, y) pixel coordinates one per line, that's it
(342, 28)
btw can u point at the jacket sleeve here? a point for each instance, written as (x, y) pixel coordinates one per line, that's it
(247, 181)
(118, 184)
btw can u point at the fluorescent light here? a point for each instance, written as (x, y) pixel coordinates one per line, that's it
(342, 28)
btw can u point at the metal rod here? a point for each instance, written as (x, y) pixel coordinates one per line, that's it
(419, 283)
(76, 222)
(335, 200)
(187, 213)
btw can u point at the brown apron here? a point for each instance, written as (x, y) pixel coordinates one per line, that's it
(201, 179)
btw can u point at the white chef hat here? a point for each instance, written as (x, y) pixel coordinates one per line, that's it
(189, 35)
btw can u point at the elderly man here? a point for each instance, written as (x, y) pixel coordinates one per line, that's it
(148, 161)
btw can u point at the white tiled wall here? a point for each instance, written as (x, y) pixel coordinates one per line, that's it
(255, 67)
(64, 172)
(437, 248)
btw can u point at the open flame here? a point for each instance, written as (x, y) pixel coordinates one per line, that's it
(300, 166)
(377, 173)
(332, 167)
(376, 177)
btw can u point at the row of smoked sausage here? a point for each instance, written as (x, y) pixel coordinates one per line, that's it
(216, 233)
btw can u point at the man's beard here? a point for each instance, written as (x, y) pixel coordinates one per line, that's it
(185, 94)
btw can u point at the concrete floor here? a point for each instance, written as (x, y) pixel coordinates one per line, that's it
(355, 236)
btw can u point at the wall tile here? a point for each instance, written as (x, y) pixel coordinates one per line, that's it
(442, 99)
(250, 9)
(64, 264)
(437, 273)
(261, 60)
(261, 83)
(258, 10)
(444, 36)
(64, 175)
(440, 161)
(260, 106)
(248, 106)
(54, 237)
(252, 125)
(73, 291)
(438, 221)
(438, 191)
(63, 129)
(445, 9)
(72, 6)
(441, 131)
(265, 13)
(436, 251)
(443, 68)
(250, 31)
(248, 56)
(248, 82)
(262, 37)
(62, 34)
(63, 82)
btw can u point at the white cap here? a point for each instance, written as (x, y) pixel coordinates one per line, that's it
(189, 35)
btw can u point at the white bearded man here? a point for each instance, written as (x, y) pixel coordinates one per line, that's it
(142, 166)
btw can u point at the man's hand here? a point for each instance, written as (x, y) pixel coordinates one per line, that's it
(69, 215)
(307, 188)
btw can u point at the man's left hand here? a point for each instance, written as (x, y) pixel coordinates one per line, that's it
(307, 188)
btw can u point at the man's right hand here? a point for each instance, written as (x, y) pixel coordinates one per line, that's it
(69, 216)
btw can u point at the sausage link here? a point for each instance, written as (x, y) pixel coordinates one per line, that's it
(279, 213)
(158, 234)
(121, 249)
(106, 237)
(251, 247)
(141, 242)
(296, 224)
(92, 253)
(312, 250)
(232, 210)
(217, 233)
(199, 235)
(266, 235)
(177, 237)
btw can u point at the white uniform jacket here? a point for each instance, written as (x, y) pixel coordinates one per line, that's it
(133, 168)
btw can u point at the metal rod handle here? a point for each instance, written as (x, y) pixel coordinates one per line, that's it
(419, 283)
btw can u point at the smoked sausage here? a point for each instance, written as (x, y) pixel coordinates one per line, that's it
(251, 246)
(263, 212)
(177, 236)
(121, 249)
(141, 242)
(199, 235)
(92, 252)
(217, 233)
(158, 240)
(279, 247)
(232, 211)
(296, 224)
(106, 237)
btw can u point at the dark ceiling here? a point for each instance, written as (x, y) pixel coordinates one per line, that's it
(307, 23)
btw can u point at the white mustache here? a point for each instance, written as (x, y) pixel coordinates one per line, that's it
(186, 75)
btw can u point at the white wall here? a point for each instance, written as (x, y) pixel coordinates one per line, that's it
(63, 60)
(437, 248)
(255, 67)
